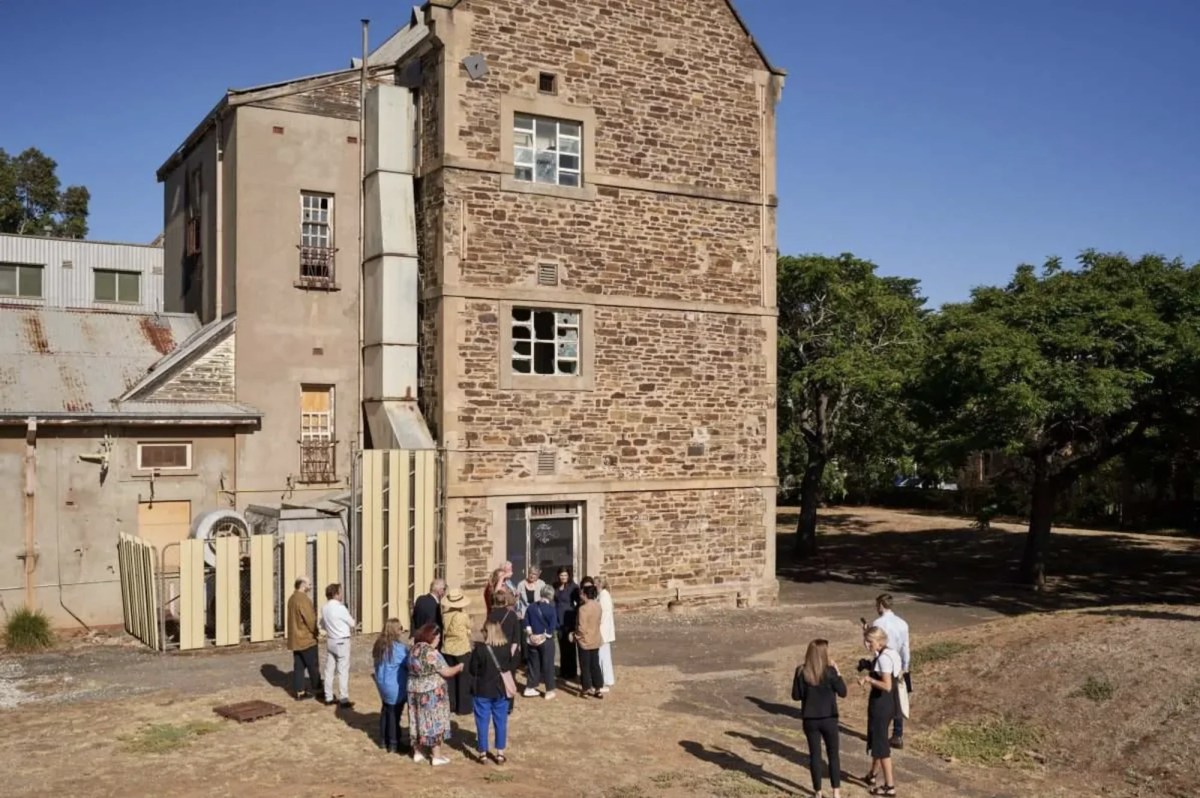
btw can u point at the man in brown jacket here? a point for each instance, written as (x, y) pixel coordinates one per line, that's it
(302, 640)
(587, 636)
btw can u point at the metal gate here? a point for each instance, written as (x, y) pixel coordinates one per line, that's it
(231, 590)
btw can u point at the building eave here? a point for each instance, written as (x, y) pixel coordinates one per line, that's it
(774, 70)
(14, 418)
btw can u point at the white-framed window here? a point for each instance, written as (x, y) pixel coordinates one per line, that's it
(317, 443)
(166, 456)
(547, 150)
(316, 220)
(545, 341)
(110, 285)
(22, 280)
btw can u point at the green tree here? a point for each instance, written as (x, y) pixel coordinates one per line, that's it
(1065, 369)
(848, 340)
(31, 202)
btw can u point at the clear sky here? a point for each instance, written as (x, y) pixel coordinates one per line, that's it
(947, 140)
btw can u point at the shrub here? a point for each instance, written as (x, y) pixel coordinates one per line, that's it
(1098, 689)
(28, 630)
(161, 738)
(937, 652)
(991, 741)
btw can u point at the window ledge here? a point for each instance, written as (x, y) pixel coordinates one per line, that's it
(317, 284)
(163, 474)
(546, 382)
(584, 193)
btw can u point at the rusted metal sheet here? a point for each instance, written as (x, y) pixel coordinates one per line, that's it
(249, 711)
(80, 361)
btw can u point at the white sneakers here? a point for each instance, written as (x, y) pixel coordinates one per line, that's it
(550, 695)
(438, 761)
(418, 756)
(531, 692)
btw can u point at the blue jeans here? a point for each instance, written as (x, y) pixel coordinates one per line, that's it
(496, 711)
(389, 727)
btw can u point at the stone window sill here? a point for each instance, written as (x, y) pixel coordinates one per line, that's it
(317, 285)
(584, 193)
(546, 382)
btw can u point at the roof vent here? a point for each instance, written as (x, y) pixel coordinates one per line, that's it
(475, 65)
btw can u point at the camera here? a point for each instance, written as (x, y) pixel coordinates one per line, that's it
(864, 665)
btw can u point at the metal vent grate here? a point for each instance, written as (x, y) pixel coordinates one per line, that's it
(547, 510)
(547, 462)
(547, 274)
(67, 264)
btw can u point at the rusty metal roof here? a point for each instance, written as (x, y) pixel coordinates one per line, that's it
(78, 362)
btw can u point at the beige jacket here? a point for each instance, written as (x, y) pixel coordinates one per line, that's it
(587, 625)
(302, 622)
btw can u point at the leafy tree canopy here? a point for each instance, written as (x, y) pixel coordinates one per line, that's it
(31, 202)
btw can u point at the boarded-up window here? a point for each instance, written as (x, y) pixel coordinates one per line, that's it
(164, 456)
(317, 442)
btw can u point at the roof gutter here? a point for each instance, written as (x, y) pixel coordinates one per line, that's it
(9, 418)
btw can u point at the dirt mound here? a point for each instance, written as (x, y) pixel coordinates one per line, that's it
(1107, 695)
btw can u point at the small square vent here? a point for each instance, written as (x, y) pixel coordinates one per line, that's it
(547, 462)
(67, 264)
(547, 274)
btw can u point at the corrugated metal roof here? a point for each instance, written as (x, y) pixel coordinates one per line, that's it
(189, 410)
(80, 361)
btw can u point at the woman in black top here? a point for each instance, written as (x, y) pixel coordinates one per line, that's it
(566, 602)
(881, 709)
(818, 684)
(492, 659)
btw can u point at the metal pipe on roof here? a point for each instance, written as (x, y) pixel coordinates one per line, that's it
(362, 223)
(218, 260)
(30, 555)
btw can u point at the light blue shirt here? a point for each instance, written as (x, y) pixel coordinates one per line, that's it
(897, 632)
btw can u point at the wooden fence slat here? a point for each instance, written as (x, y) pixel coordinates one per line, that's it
(397, 536)
(295, 565)
(191, 595)
(262, 588)
(425, 519)
(150, 608)
(371, 602)
(327, 564)
(228, 592)
(126, 606)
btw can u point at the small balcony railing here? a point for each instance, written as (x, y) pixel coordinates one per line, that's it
(318, 462)
(317, 267)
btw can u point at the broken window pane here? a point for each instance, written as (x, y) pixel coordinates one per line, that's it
(543, 358)
(543, 325)
(545, 341)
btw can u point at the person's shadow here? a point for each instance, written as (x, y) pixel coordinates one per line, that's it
(728, 760)
(784, 710)
(276, 677)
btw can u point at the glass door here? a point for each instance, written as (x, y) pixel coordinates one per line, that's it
(545, 535)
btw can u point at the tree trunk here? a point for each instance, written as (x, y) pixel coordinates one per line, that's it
(810, 497)
(1041, 519)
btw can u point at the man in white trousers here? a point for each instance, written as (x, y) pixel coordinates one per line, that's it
(608, 634)
(339, 625)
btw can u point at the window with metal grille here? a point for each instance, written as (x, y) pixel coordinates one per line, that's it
(110, 285)
(547, 274)
(545, 341)
(317, 443)
(547, 150)
(164, 456)
(547, 83)
(22, 280)
(316, 236)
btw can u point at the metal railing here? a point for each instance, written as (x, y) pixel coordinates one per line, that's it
(317, 266)
(318, 462)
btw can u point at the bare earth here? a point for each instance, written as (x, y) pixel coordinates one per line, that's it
(701, 705)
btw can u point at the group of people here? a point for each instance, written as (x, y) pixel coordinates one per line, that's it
(450, 668)
(818, 683)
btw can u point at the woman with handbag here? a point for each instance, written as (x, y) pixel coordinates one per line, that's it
(493, 687)
(817, 685)
(883, 680)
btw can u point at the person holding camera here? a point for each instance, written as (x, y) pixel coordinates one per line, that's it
(897, 632)
(883, 672)
(817, 685)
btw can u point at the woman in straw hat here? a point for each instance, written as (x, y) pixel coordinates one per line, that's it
(456, 648)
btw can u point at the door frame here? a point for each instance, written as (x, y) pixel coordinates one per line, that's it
(574, 510)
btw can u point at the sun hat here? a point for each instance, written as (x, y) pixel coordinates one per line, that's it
(455, 600)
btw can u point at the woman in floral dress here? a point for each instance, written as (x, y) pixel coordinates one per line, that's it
(428, 701)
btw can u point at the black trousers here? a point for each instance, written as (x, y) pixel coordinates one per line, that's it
(590, 675)
(566, 647)
(541, 665)
(302, 661)
(458, 688)
(389, 726)
(815, 730)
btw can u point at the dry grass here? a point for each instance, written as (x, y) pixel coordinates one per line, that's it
(161, 738)
(939, 651)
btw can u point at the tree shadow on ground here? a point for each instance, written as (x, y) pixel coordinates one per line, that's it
(969, 567)
(728, 760)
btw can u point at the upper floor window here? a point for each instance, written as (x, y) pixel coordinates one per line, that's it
(22, 280)
(164, 456)
(111, 285)
(191, 243)
(545, 341)
(316, 237)
(547, 150)
(318, 446)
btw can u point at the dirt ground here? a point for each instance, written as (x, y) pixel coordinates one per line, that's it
(700, 707)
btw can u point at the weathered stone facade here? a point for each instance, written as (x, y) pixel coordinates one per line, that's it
(666, 249)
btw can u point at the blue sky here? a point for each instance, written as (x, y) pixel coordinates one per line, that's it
(947, 140)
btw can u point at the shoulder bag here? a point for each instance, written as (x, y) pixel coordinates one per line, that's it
(510, 684)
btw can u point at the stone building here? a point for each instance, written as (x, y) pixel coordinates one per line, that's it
(569, 279)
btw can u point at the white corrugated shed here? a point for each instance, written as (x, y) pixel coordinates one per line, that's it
(69, 266)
